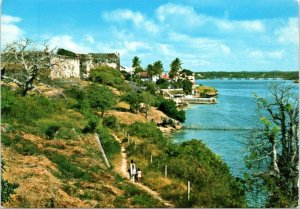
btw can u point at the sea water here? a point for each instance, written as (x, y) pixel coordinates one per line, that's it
(226, 126)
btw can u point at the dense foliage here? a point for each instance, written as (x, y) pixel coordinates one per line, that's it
(211, 182)
(169, 108)
(107, 76)
(292, 75)
(100, 97)
(65, 52)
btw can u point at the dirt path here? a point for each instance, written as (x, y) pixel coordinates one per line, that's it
(122, 170)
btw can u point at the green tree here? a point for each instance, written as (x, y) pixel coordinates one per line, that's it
(169, 108)
(175, 68)
(101, 97)
(274, 152)
(147, 100)
(134, 100)
(136, 62)
(158, 68)
(187, 86)
(150, 70)
(66, 52)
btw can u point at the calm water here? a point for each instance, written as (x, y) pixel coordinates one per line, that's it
(224, 127)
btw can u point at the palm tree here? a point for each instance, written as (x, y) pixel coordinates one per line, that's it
(136, 62)
(151, 71)
(175, 68)
(158, 68)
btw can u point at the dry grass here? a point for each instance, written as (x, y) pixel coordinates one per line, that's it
(40, 184)
(37, 183)
(129, 118)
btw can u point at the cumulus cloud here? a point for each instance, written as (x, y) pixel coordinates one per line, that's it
(186, 16)
(179, 14)
(67, 42)
(138, 20)
(135, 45)
(289, 34)
(9, 30)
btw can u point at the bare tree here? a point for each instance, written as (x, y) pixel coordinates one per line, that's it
(25, 61)
(274, 152)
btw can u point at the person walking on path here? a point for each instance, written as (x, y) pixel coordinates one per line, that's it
(138, 175)
(132, 171)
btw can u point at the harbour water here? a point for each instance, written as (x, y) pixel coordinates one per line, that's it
(225, 127)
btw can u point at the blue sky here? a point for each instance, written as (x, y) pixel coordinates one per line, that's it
(227, 35)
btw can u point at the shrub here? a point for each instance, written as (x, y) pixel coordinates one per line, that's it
(169, 108)
(106, 75)
(162, 83)
(51, 130)
(109, 144)
(65, 52)
(93, 121)
(6, 188)
(110, 121)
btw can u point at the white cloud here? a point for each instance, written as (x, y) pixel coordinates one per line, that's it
(9, 30)
(7, 19)
(259, 54)
(289, 34)
(179, 14)
(89, 39)
(135, 45)
(139, 21)
(255, 25)
(67, 42)
(245, 25)
(123, 14)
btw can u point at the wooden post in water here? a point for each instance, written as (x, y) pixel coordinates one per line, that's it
(189, 190)
(166, 171)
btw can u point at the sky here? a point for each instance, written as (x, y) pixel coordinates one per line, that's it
(206, 35)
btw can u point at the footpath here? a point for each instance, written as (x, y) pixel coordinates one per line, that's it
(122, 170)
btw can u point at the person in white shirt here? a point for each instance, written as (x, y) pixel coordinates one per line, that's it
(132, 171)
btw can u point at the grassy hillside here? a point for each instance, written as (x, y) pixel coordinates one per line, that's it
(50, 151)
(61, 168)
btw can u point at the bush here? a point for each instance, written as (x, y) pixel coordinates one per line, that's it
(106, 75)
(93, 122)
(169, 108)
(110, 121)
(6, 188)
(162, 83)
(65, 52)
(51, 130)
(109, 144)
